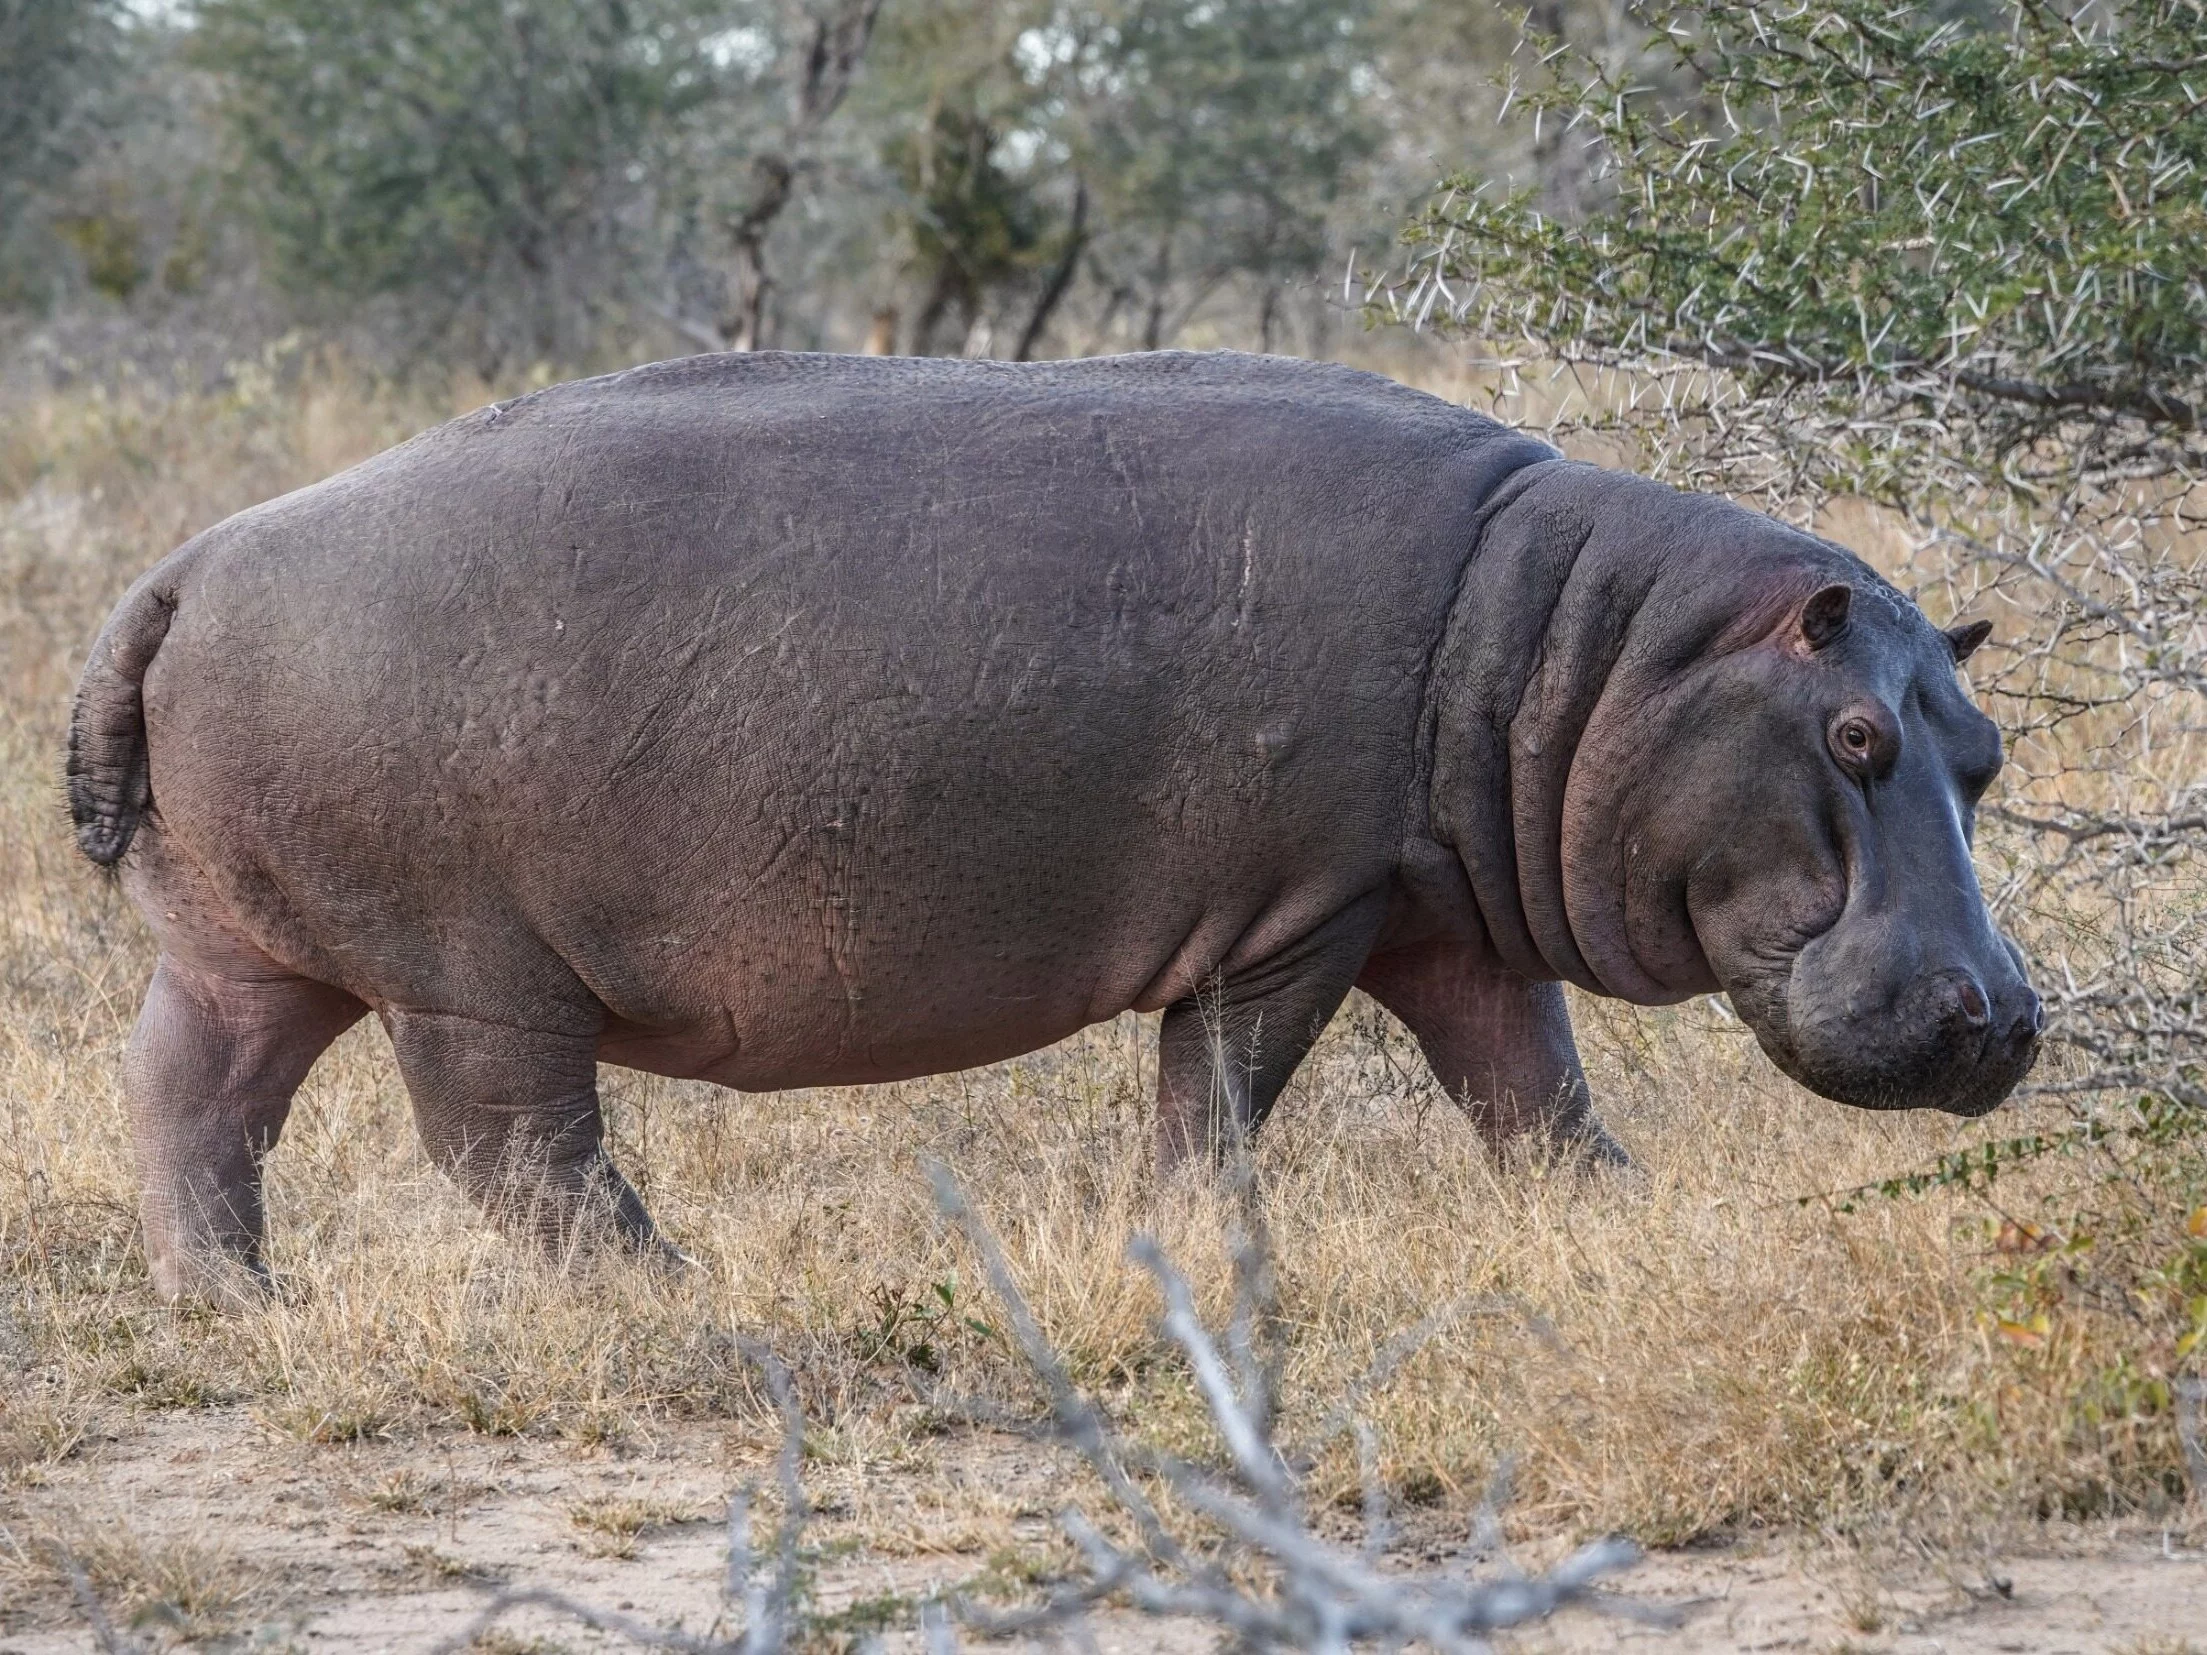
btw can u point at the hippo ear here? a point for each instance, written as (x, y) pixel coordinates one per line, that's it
(1963, 640)
(1824, 616)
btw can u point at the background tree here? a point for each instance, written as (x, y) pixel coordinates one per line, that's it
(979, 196)
(1222, 139)
(57, 57)
(747, 171)
(514, 182)
(497, 161)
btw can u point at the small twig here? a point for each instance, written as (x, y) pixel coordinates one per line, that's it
(104, 1632)
(2190, 1394)
(767, 1611)
(1254, 1457)
(508, 1599)
(1325, 1599)
(1077, 1419)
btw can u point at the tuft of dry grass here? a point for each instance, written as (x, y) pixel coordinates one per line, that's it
(1705, 1344)
(613, 1525)
(499, 1641)
(190, 1586)
(37, 1431)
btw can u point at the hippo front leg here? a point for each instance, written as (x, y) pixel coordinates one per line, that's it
(1500, 1044)
(1226, 1052)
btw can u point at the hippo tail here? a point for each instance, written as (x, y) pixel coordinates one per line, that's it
(109, 781)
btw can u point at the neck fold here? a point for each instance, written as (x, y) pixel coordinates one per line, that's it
(1588, 592)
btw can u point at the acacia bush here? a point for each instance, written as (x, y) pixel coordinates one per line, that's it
(1949, 275)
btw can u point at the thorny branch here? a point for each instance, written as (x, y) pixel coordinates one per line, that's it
(1322, 1597)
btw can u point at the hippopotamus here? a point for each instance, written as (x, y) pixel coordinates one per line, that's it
(789, 720)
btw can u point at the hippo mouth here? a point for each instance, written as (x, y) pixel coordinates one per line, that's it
(1942, 1043)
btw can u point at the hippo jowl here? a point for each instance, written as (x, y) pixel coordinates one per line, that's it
(795, 720)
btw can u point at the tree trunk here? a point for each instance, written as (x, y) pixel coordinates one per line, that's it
(948, 290)
(745, 329)
(831, 59)
(1559, 158)
(1061, 279)
(1153, 326)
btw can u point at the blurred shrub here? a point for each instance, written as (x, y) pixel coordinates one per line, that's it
(484, 156)
(56, 57)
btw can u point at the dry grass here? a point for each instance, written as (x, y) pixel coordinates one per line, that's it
(612, 1526)
(188, 1585)
(1684, 1350)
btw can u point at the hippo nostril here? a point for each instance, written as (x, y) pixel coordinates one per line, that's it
(1955, 1003)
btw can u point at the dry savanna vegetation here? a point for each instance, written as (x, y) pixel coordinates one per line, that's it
(1926, 277)
(1724, 1342)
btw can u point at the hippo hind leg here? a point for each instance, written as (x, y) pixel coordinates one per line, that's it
(511, 1115)
(1500, 1044)
(209, 1074)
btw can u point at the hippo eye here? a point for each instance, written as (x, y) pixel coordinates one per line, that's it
(1857, 745)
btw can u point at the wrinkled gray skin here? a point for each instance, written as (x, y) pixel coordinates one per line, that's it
(793, 721)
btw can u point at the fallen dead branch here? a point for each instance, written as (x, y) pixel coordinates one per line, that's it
(1257, 1571)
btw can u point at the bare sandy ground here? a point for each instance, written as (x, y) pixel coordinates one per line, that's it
(210, 1527)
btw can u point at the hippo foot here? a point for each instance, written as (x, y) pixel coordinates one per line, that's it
(1594, 1150)
(666, 1259)
(217, 1278)
(1575, 1151)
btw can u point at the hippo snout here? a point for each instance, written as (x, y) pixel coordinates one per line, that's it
(1993, 1040)
(1956, 1037)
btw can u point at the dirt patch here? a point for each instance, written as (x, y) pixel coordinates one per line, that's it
(2121, 1595)
(205, 1525)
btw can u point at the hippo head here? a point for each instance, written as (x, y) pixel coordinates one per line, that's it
(1835, 899)
(1812, 821)
(1771, 785)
